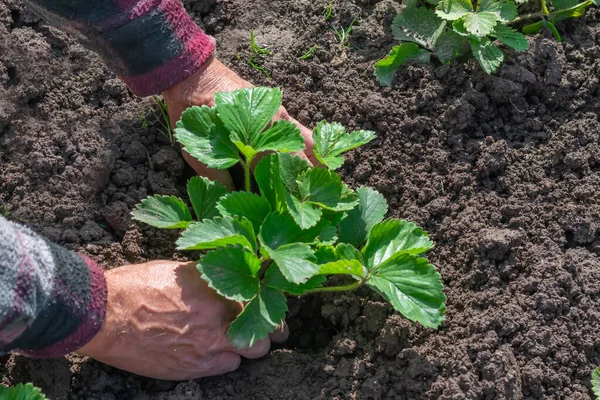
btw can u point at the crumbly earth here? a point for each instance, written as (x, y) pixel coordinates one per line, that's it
(502, 170)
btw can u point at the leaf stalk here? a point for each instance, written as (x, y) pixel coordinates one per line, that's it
(247, 173)
(343, 288)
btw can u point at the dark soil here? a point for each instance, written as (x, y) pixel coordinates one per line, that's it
(503, 171)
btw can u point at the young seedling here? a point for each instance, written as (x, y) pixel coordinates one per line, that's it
(258, 51)
(328, 10)
(302, 227)
(163, 119)
(343, 34)
(447, 29)
(309, 53)
(21, 392)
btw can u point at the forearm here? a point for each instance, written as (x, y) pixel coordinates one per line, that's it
(150, 44)
(52, 301)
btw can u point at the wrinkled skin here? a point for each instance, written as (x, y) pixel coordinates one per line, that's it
(163, 321)
(199, 89)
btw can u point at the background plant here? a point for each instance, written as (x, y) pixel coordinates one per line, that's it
(448, 29)
(301, 228)
(21, 392)
(596, 382)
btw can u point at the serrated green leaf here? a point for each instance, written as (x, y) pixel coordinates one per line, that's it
(259, 318)
(331, 140)
(413, 287)
(166, 212)
(596, 382)
(506, 10)
(573, 12)
(21, 392)
(204, 195)
(275, 279)
(347, 202)
(232, 272)
(392, 237)
(218, 232)
(449, 45)
(283, 136)
(290, 167)
(342, 267)
(268, 177)
(404, 53)
(489, 56)
(510, 37)
(325, 254)
(295, 261)
(328, 234)
(247, 112)
(348, 252)
(371, 210)
(452, 10)
(480, 24)
(333, 217)
(321, 187)
(279, 229)
(306, 215)
(203, 136)
(418, 25)
(245, 204)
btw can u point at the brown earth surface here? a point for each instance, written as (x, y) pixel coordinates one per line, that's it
(503, 171)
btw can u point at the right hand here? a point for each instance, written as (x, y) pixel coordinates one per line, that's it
(164, 322)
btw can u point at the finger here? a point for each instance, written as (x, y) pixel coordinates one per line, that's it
(221, 175)
(217, 364)
(304, 131)
(258, 350)
(281, 334)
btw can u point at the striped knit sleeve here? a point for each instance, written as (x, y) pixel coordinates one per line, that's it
(151, 44)
(52, 301)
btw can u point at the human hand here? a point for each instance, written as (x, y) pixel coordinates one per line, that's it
(199, 89)
(164, 322)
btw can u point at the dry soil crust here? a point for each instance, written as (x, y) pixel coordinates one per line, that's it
(502, 170)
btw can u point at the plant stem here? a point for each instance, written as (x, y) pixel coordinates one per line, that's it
(343, 288)
(527, 17)
(545, 8)
(247, 173)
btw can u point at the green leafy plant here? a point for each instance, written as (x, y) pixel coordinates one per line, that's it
(21, 392)
(449, 29)
(328, 10)
(343, 34)
(309, 53)
(162, 117)
(596, 382)
(303, 225)
(257, 52)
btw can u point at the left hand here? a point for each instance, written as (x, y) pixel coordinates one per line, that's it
(199, 89)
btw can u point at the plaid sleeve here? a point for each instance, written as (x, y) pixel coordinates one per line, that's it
(150, 44)
(52, 301)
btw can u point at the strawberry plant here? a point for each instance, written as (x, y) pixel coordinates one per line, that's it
(449, 29)
(301, 227)
(21, 392)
